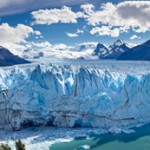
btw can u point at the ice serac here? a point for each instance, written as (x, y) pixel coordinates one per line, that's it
(74, 96)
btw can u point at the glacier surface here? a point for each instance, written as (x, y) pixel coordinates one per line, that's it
(75, 94)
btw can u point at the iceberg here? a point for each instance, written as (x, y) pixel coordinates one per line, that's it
(75, 94)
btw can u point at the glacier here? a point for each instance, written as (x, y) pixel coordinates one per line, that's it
(101, 94)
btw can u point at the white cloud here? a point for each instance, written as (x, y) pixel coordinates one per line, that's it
(51, 16)
(114, 32)
(14, 38)
(37, 32)
(110, 19)
(88, 8)
(79, 31)
(105, 30)
(134, 37)
(47, 45)
(72, 34)
(61, 46)
(9, 7)
(76, 34)
(127, 15)
(41, 44)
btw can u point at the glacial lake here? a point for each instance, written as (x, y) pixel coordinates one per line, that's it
(138, 140)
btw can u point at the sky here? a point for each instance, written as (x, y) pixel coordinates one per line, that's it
(28, 24)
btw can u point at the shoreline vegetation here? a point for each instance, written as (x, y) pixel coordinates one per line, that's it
(54, 138)
(18, 144)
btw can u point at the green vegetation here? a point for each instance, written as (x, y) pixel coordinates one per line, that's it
(19, 146)
(4, 147)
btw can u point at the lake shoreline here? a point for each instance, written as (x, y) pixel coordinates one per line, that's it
(138, 139)
(43, 137)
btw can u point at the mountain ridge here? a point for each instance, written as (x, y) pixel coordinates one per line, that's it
(111, 52)
(8, 59)
(139, 52)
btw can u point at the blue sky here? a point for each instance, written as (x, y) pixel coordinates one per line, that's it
(72, 22)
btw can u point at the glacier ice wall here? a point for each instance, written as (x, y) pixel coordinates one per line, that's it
(74, 96)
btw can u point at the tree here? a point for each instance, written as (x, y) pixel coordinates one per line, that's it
(20, 145)
(4, 147)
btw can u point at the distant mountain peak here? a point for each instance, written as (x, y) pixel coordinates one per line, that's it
(147, 43)
(100, 50)
(119, 42)
(139, 52)
(8, 59)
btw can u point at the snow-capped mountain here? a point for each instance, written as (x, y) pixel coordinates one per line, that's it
(91, 50)
(118, 48)
(8, 59)
(101, 51)
(112, 52)
(140, 52)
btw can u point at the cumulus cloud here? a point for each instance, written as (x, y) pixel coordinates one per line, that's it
(109, 19)
(14, 38)
(76, 34)
(134, 37)
(127, 15)
(51, 16)
(44, 44)
(88, 8)
(9, 7)
(79, 31)
(105, 30)
(61, 46)
(72, 34)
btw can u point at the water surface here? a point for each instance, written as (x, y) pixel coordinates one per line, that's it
(139, 140)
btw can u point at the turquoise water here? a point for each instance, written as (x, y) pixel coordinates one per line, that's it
(139, 140)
